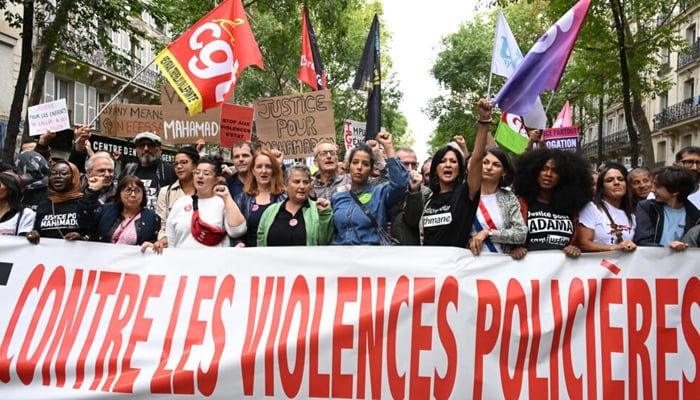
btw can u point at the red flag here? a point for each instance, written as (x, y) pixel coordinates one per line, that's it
(204, 63)
(311, 68)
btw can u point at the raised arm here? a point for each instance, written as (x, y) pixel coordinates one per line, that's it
(484, 123)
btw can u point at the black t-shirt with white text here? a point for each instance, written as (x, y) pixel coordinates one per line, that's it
(55, 222)
(149, 177)
(448, 217)
(547, 229)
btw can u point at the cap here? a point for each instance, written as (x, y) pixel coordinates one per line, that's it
(148, 136)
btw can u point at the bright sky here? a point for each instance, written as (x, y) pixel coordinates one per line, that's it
(417, 30)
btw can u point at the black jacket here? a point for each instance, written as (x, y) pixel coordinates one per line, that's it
(650, 221)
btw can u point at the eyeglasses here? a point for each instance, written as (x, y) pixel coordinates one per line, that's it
(690, 163)
(181, 163)
(62, 174)
(206, 174)
(325, 153)
(407, 164)
(129, 191)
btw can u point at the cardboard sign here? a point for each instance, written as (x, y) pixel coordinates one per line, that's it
(354, 134)
(179, 127)
(236, 124)
(561, 138)
(52, 116)
(295, 124)
(128, 120)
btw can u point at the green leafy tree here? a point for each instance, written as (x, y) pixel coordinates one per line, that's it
(341, 28)
(80, 25)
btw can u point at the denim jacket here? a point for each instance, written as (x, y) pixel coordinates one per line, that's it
(352, 226)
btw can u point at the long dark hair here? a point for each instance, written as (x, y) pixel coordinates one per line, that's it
(625, 202)
(14, 191)
(437, 159)
(123, 184)
(575, 182)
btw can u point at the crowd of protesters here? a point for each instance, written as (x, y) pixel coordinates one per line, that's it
(484, 201)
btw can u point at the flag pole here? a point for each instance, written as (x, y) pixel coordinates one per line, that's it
(488, 91)
(549, 103)
(120, 91)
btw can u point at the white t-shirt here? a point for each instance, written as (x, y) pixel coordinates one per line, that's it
(488, 216)
(26, 223)
(594, 218)
(211, 211)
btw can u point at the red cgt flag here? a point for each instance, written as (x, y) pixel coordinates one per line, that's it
(311, 68)
(204, 63)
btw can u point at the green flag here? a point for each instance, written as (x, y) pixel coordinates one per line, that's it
(511, 134)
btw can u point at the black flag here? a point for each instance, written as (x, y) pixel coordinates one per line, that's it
(369, 78)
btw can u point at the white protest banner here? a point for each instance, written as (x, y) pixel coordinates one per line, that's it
(354, 134)
(51, 116)
(88, 320)
(295, 124)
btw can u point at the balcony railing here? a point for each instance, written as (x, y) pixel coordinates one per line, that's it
(687, 57)
(98, 58)
(610, 142)
(689, 108)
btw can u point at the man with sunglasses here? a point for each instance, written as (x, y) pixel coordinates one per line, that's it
(689, 157)
(151, 169)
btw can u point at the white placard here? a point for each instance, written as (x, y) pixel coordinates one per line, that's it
(52, 116)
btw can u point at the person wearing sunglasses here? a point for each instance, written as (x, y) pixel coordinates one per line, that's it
(125, 219)
(151, 169)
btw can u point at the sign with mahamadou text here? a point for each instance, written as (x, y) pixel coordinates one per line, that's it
(128, 120)
(181, 128)
(295, 124)
(236, 124)
(51, 116)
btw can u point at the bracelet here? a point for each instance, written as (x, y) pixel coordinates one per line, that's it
(485, 122)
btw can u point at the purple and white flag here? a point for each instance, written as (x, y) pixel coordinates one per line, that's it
(544, 64)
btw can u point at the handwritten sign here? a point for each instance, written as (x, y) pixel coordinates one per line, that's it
(561, 138)
(180, 127)
(236, 124)
(128, 120)
(52, 116)
(295, 124)
(353, 133)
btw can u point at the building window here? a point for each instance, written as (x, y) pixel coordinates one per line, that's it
(686, 140)
(689, 89)
(661, 154)
(79, 104)
(49, 87)
(690, 35)
(663, 101)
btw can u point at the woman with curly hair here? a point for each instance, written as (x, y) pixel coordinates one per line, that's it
(498, 224)
(15, 218)
(607, 223)
(264, 186)
(552, 186)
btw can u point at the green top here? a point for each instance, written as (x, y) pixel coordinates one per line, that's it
(319, 226)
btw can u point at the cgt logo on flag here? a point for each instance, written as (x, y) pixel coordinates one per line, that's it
(204, 63)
